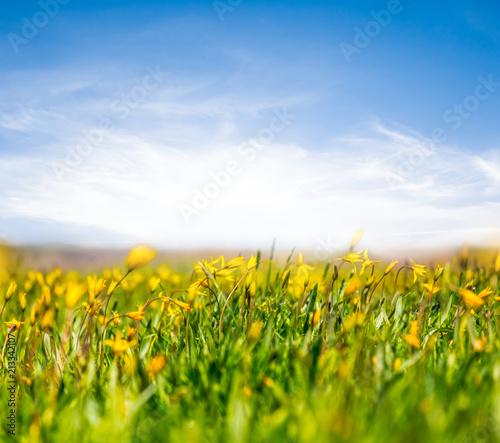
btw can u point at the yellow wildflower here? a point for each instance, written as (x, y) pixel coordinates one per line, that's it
(193, 291)
(417, 270)
(154, 282)
(353, 285)
(10, 290)
(367, 262)
(316, 317)
(131, 333)
(46, 296)
(22, 300)
(439, 271)
(48, 320)
(356, 238)
(471, 299)
(182, 305)
(15, 323)
(431, 289)
(74, 292)
(391, 267)
(412, 337)
(95, 286)
(139, 256)
(485, 292)
(252, 263)
(116, 318)
(137, 315)
(397, 364)
(235, 263)
(352, 257)
(412, 340)
(156, 365)
(118, 345)
(255, 330)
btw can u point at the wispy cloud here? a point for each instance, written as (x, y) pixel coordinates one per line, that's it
(134, 188)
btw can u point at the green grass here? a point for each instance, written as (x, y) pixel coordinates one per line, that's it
(265, 371)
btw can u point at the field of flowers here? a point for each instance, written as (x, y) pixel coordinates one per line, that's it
(252, 349)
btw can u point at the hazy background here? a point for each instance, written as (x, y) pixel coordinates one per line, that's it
(223, 125)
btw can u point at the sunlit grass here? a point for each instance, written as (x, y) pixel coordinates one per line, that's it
(248, 350)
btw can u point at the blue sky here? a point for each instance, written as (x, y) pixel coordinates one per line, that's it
(175, 92)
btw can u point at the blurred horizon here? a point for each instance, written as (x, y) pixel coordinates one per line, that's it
(93, 258)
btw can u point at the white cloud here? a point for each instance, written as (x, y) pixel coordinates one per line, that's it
(134, 188)
(385, 180)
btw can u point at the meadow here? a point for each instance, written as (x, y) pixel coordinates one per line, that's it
(250, 349)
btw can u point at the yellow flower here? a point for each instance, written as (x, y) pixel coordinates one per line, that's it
(235, 263)
(115, 318)
(252, 289)
(417, 270)
(210, 267)
(412, 340)
(412, 337)
(414, 327)
(356, 238)
(35, 310)
(93, 308)
(15, 323)
(11, 289)
(48, 320)
(183, 305)
(46, 296)
(316, 317)
(74, 292)
(193, 290)
(479, 344)
(154, 282)
(397, 364)
(439, 271)
(156, 365)
(497, 263)
(95, 286)
(390, 267)
(370, 281)
(367, 262)
(431, 289)
(137, 315)
(471, 299)
(22, 300)
(255, 330)
(353, 285)
(131, 333)
(119, 345)
(301, 265)
(485, 292)
(252, 263)
(357, 319)
(139, 256)
(353, 257)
